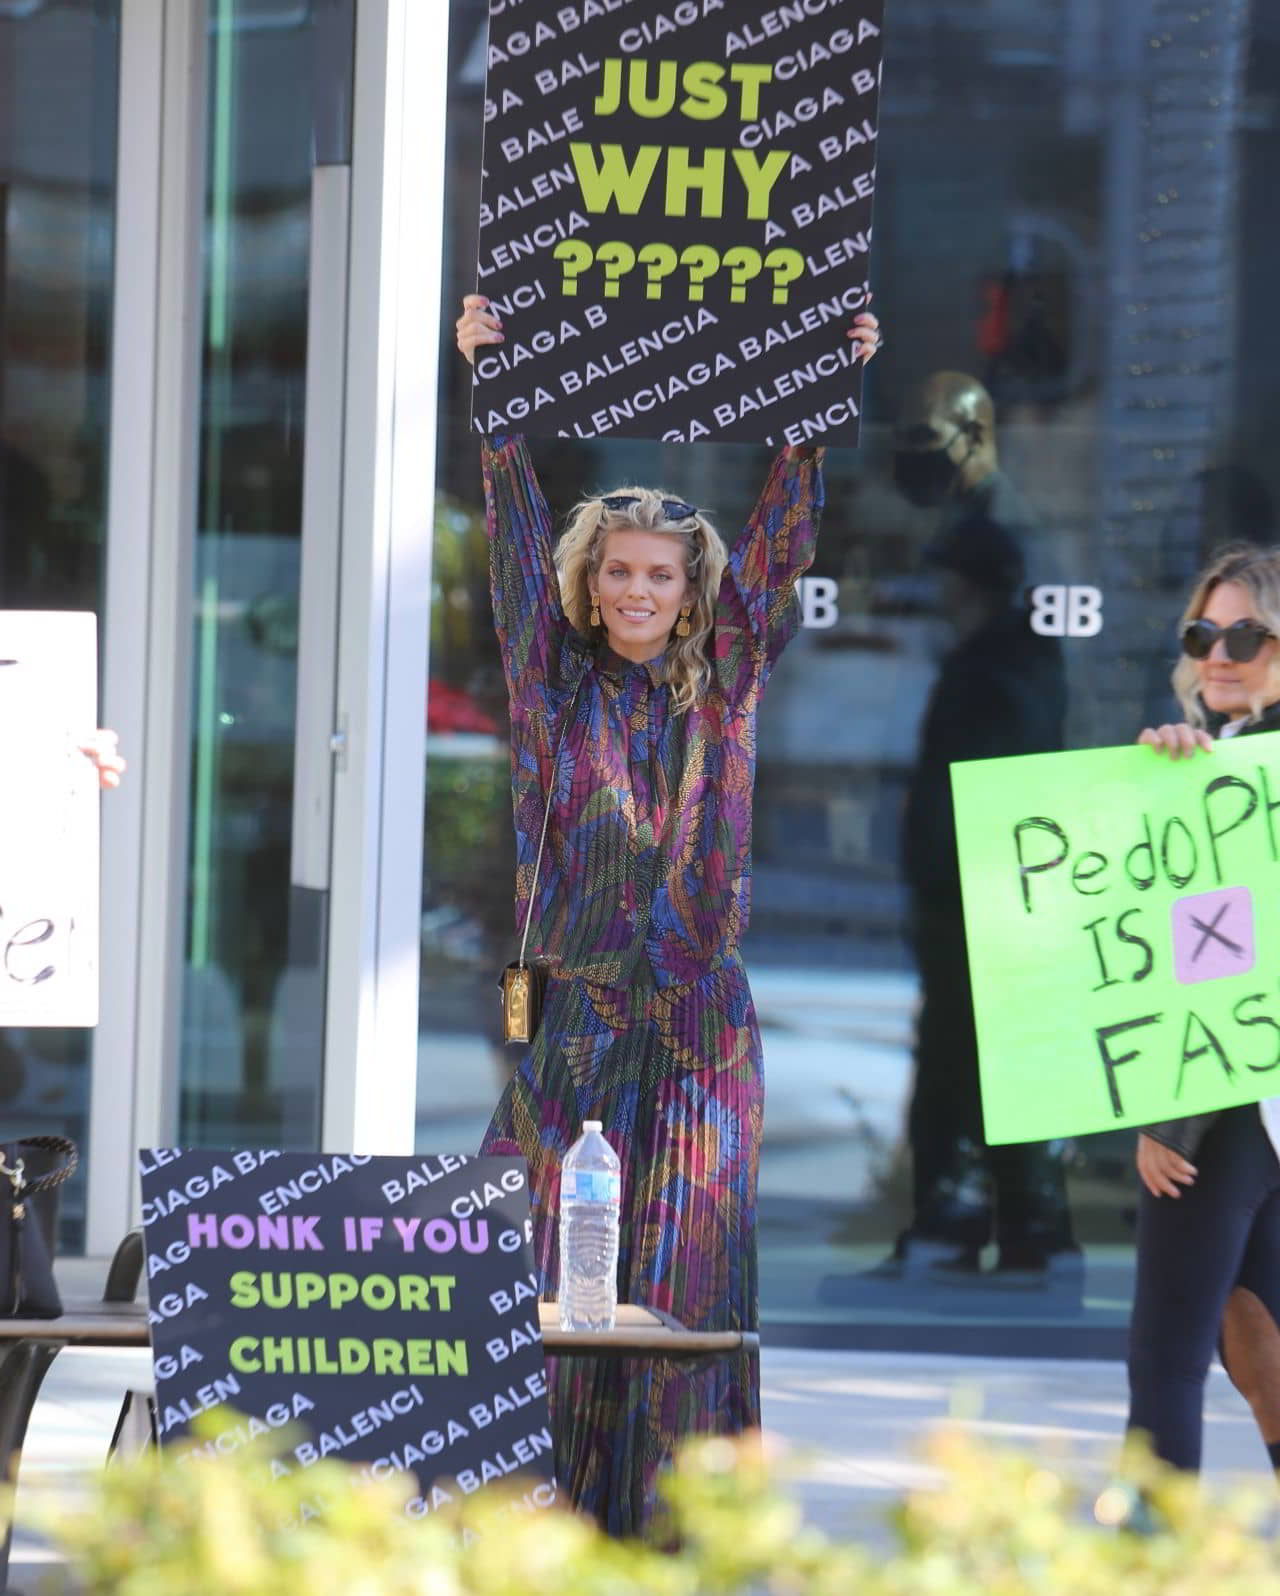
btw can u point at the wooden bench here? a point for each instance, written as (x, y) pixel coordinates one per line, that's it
(118, 1319)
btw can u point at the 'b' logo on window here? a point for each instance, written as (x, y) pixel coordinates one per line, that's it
(818, 607)
(1066, 611)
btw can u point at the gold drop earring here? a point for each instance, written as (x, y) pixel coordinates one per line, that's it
(682, 625)
(595, 610)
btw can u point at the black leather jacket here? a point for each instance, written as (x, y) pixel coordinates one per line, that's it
(1186, 1135)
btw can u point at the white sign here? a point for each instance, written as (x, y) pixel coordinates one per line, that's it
(48, 819)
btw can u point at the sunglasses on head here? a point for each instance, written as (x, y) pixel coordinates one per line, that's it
(1243, 639)
(673, 509)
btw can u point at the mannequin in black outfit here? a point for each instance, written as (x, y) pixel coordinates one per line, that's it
(1000, 690)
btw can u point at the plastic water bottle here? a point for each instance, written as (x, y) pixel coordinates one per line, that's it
(590, 1196)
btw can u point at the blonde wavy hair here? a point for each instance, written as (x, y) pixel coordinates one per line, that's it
(1257, 571)
(580, 554)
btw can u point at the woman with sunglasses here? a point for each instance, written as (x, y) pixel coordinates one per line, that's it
(1208, 1255)
(635, 659)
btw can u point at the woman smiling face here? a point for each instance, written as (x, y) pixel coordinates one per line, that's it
(1226, 686)
(640, 587)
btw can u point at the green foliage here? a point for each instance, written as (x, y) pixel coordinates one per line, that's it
(460, 615)
(1006, 1525)
(468, 802)
(1000, 1525)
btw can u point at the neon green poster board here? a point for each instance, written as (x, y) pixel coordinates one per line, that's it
(1122, 912)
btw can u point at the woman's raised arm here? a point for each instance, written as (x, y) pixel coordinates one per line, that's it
(527, 612)
(758, 612)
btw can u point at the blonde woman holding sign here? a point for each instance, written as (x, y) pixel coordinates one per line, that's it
(635, 658)
(1209, 1209)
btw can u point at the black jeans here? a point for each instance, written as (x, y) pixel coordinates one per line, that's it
(1223, 1231)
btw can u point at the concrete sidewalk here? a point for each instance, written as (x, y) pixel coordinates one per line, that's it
(852, 1424)
(855, 1423)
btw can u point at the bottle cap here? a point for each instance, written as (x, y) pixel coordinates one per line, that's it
(593, 1124)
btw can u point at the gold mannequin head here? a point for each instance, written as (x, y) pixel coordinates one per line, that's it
(945, 438)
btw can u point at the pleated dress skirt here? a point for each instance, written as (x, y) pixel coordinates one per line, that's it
(674, 1075)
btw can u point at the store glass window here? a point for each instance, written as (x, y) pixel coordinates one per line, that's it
(59, 65)
(279, 76)
(1076, 247)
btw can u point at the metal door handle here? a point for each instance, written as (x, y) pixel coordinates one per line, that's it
(317, 727)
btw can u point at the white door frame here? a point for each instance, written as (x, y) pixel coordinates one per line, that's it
(151, 508)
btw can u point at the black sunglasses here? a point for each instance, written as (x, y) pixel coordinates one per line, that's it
(1243, 639)
(673, 509)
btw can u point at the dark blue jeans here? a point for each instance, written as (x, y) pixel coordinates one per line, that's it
(1224, 1231)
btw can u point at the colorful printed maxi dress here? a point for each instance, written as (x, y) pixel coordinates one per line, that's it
(648, 1023)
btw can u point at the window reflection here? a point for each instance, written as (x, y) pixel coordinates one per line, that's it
(252, 1041)
(1075, 248)
(58, 74)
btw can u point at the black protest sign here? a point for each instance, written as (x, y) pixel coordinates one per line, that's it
(385, 1308)
(675, 219)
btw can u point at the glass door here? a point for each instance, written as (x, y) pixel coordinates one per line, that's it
(267, 533)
